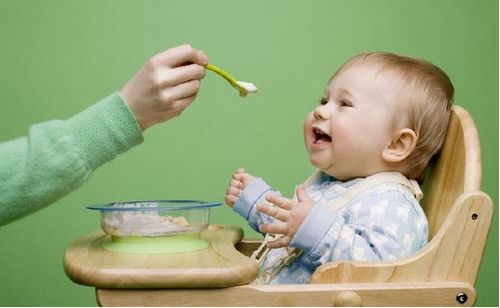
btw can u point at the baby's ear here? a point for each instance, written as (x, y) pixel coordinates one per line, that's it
(402, 145)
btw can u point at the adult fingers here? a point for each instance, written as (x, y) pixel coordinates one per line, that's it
(179, 75)
(172, 109)
(181, 91)
(179, 55)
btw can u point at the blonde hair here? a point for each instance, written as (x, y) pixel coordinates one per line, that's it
(425, 95)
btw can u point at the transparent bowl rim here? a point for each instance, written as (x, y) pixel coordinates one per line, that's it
(187, 205)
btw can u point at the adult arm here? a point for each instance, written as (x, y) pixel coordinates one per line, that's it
(58, 156)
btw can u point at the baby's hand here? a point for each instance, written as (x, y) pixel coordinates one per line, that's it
(290, 216)
(239, 181)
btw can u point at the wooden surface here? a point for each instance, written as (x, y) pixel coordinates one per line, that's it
(310, 295)
(457, 170)
(219, 265)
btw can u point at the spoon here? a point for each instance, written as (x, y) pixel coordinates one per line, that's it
(243, 87)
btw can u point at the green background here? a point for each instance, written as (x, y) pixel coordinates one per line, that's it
(58, 57)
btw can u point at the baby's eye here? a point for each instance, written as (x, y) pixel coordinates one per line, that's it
(323, 101)
(344, 103)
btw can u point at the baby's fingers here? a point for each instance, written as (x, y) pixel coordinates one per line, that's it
(274, 228)
(273, 211)
(281, 242)
(236, 183)
(283, 203)
(231, 200)
(234, 191)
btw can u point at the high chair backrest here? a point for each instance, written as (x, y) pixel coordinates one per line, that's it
(457, 169)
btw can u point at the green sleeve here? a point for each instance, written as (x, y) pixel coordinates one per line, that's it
(59, 156)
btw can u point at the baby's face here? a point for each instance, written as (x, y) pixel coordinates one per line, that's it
(346, 133)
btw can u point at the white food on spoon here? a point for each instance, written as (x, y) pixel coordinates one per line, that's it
(250, 87)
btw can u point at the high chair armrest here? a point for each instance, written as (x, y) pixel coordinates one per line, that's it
(247, 246)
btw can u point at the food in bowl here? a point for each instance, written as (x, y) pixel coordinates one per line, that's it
(154, 218)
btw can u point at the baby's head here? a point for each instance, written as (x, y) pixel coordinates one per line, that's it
(380, 112)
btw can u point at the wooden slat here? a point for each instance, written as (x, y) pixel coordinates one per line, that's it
(324, 295)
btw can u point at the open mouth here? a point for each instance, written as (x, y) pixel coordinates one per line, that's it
(320, 136)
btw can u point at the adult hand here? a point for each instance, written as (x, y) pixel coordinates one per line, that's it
(289, 214)
(165, 85)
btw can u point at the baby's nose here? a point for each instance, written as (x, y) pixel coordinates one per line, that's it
(320, 113)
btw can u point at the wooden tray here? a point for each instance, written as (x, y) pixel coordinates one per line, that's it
(86, 262)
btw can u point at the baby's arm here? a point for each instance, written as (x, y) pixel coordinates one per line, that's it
(244, 193)
(289, 216)
(372, 228)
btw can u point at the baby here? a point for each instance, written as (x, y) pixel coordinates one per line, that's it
(379, 122)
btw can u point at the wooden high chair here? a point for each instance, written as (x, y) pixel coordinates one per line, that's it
(442, 274)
